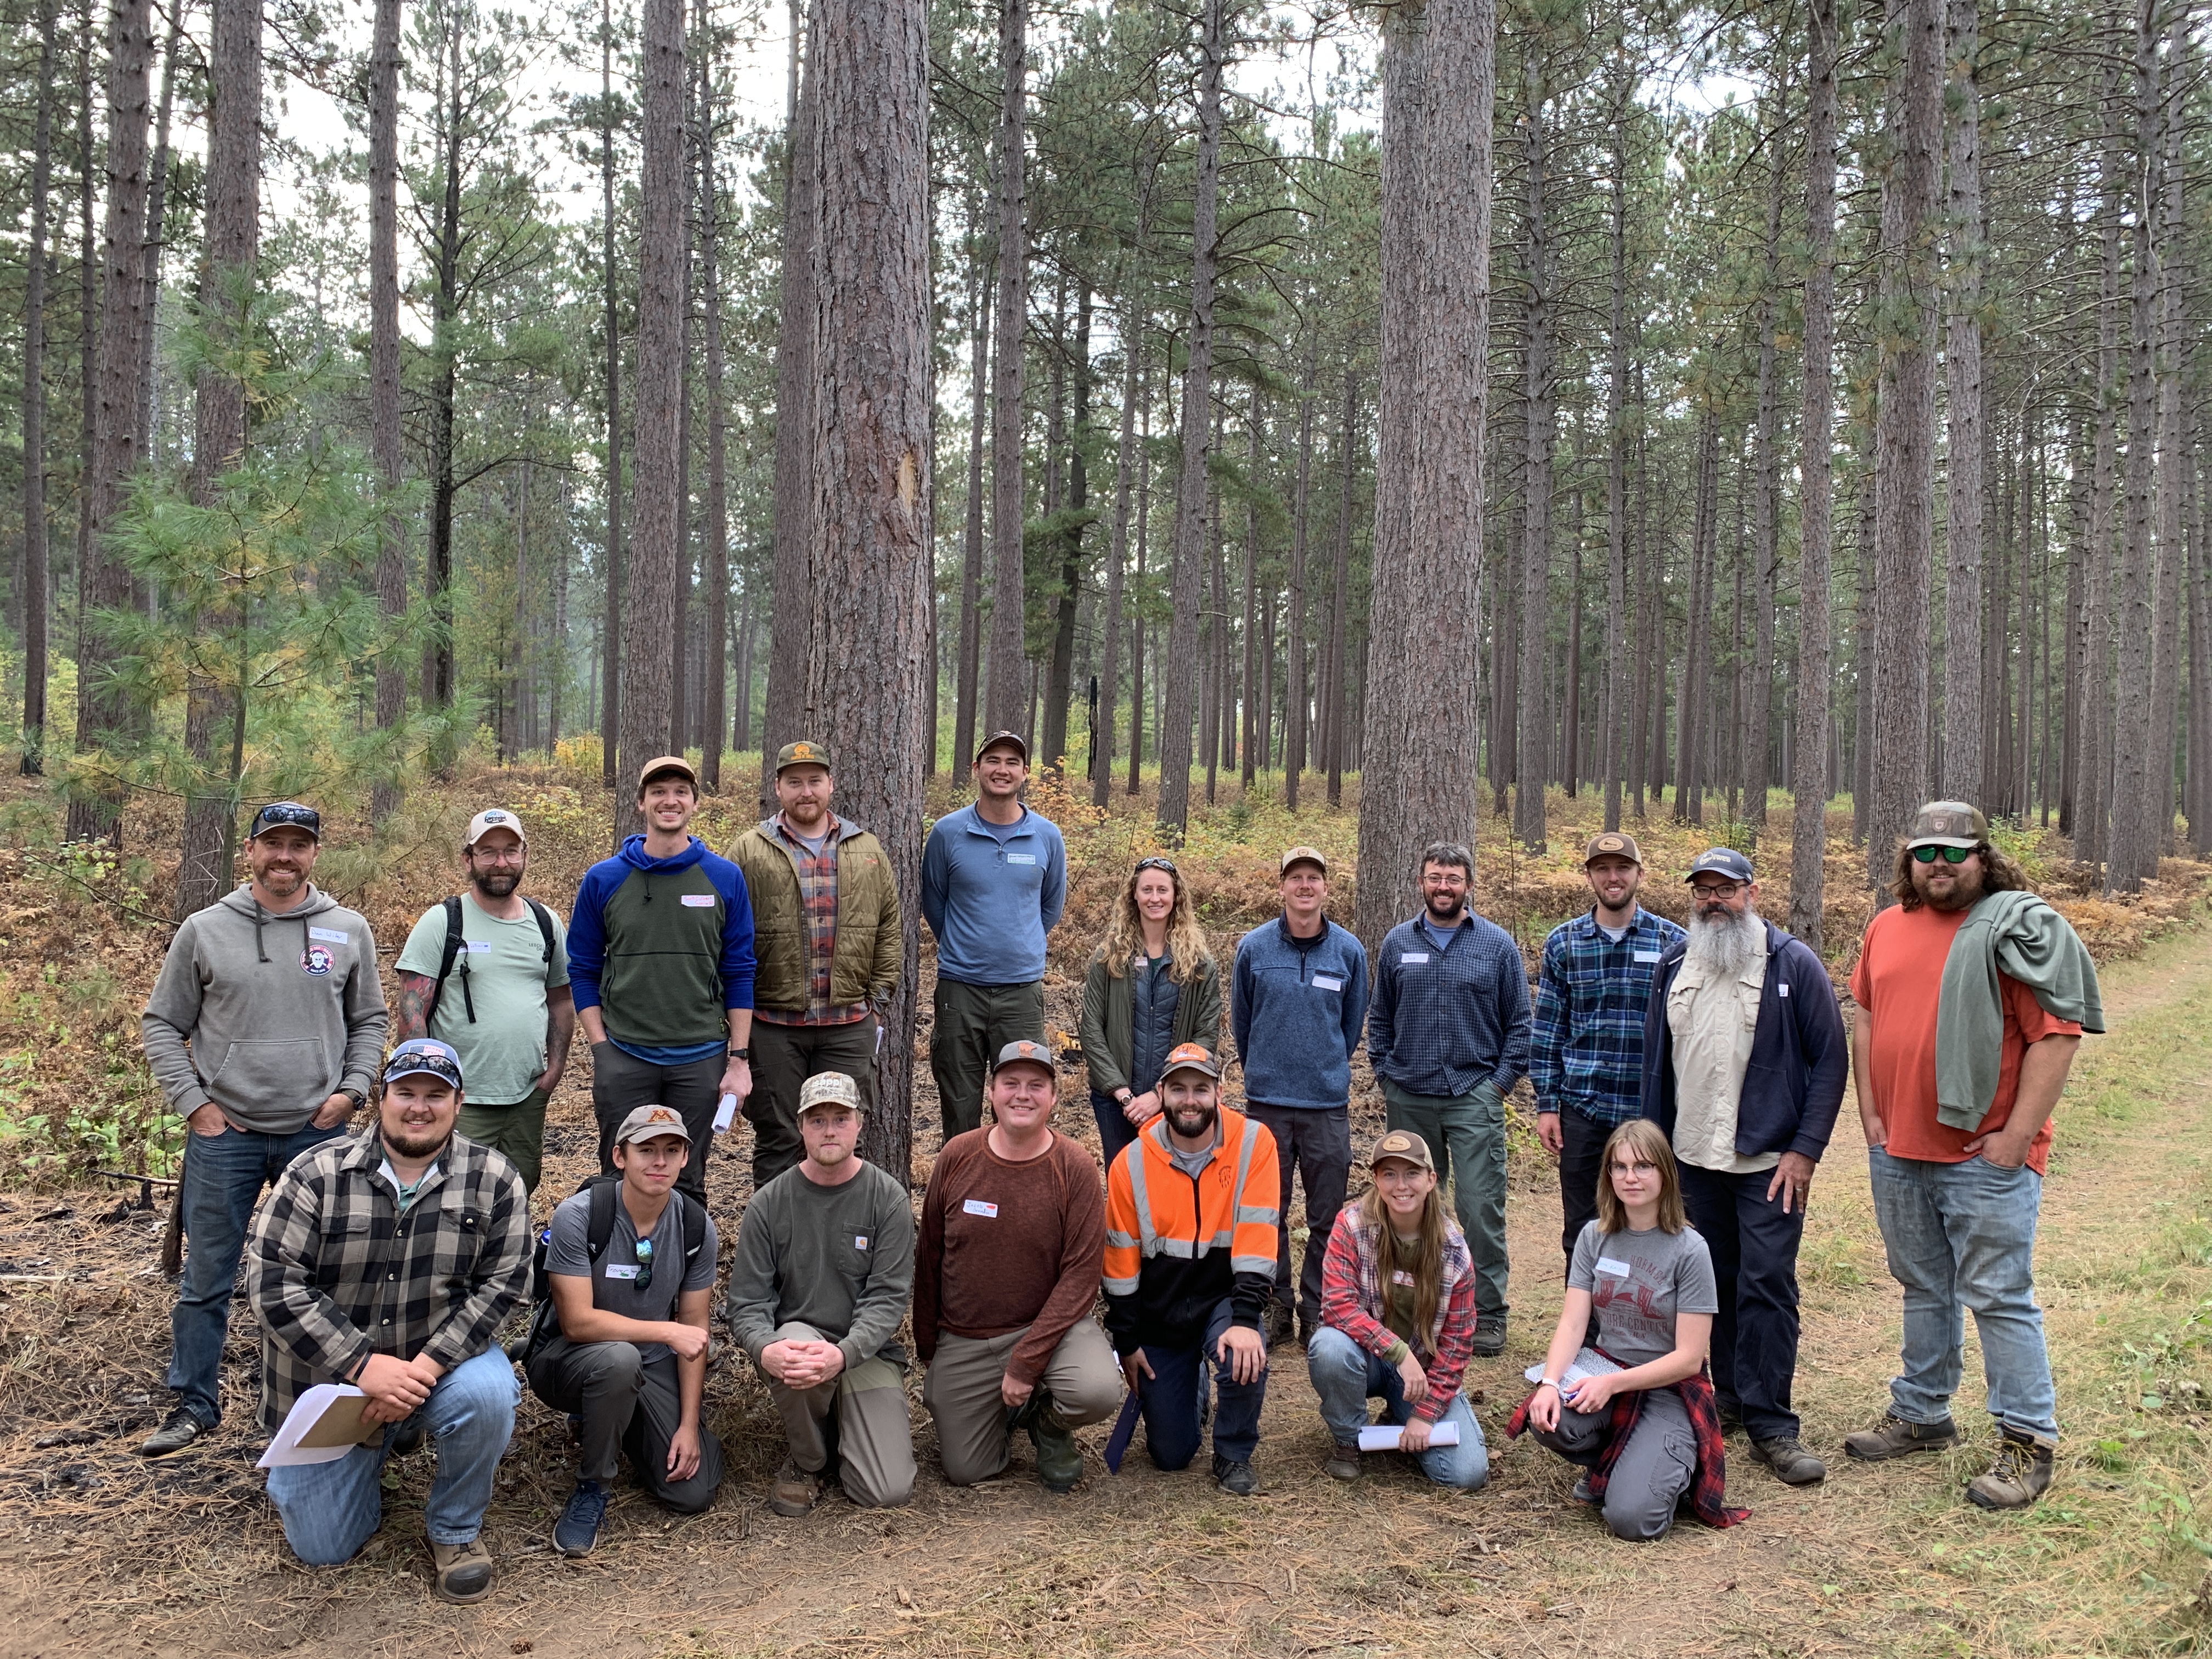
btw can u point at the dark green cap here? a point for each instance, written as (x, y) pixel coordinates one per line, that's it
(802, 753)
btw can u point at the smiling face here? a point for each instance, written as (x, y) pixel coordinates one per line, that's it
(496, 862)
(1000, 771)
(1023, 1096)
(1189, 1100)
(1405, 1188)
(1717, 899)
(651, 1166)
(1614, 880)
(1947, 886)
(1443, 889)
(280, 858)
(1305, 890)
(1156, 895)
(668, 802)
(803, 791)
(416, 1114)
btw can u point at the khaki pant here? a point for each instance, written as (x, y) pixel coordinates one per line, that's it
(962, 1394)
(784, 1057)
(874, 1437)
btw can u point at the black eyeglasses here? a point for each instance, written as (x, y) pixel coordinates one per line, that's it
(1155, 863)
(1950, 854)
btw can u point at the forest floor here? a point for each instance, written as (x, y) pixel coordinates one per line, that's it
(103, 1552)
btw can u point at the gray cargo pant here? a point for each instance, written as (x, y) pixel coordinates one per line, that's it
(626, 1404)
(1653, 1470)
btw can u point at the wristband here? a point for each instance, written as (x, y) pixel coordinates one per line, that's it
(1547, 1382)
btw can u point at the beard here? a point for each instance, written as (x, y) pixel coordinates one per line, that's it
(1446, 910)
(1192, 1122)
(829, 1155)
(1724, 947)
(411, 1141)
(498, 884)
(1965, 891)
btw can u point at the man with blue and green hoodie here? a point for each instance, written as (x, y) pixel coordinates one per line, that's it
(660, 957)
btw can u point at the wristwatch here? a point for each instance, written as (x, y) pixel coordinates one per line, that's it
(745, 1053)
(356, 1097)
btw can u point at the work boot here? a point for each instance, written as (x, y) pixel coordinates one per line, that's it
(462, 1572)
(1581, 1492)
(178, 1431)
(1792, 1464)
(1281, 1324)
(1344, 1460)
(1895, 1436)
(1235, 1479)
(2017, 1476)
(578, 1529)
(1489, 1335)
(794, 1491)
(1058, 1459)
(1731, 1416)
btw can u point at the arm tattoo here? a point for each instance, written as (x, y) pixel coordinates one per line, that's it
(416, 991)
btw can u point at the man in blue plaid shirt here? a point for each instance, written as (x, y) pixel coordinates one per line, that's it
(1586, 1054)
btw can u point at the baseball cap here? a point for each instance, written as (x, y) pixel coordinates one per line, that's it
(997, 739)
(1614, 844)
(802, 753)
(828, 1089)
(1190, 1057)
(1948, 823)
(1403, 1145)
(661, 763)
(427, 1055)
(493, 818)
(1303, 855)
(1033, 1054)
(649, 1123)
(1721, 861)
(281, 814)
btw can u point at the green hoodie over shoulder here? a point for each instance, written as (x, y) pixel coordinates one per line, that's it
(2018, 934)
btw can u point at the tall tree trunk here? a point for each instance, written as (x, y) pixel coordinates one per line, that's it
(383, 382)
(1540, 425)
(2092, 836)
(795, 381)
(1054, 749)
(445, 356)
(716, 630)
(610, 624)
(1697, 630)
(1294, 621)
(1005, 697)
(2175, 460)
(1757, 685)
(1615, 710)
(1905, 435)
(1251, 676)
(1339, 603)
(1808, 809)
(1193, 531)
(2199, 803)
(1137, 631)
(1133, 381)
(1962, 360)
(867, 648)
(680, 678)
(30, 595)
(1423, 629)
(157, 204)
(964, 704)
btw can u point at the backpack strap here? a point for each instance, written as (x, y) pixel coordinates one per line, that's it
(604, 1189)
(695, 1226)
(544, 919)
(451, 953)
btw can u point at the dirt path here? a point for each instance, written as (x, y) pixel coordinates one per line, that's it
(1886, 1560)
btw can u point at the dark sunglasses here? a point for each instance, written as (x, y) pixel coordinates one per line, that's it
(287, 812)
(1155, 863)
(436, 1065)
(1950, 854)
(644, 1280)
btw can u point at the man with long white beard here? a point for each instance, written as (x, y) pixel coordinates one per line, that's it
(1744, 1064)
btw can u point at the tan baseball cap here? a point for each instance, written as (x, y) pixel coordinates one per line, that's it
(1312, 855)
(660, 764)
(493, 818)
(828, 1089)
(1613, 844)
(651, 1122)
(1404, 1145)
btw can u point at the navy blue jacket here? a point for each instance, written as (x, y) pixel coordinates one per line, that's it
(1800, 1056)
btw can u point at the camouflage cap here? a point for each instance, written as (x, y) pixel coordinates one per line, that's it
(1948, 823)
(828, 1089)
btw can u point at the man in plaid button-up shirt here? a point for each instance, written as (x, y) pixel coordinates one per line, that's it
(1586, 1051)
(388, 1260)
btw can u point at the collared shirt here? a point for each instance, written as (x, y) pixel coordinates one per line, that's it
(337, 1272)
(1713, 1019)
(1587, 1049)
(816, 864)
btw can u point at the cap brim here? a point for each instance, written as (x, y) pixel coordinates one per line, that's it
(1207, 1073)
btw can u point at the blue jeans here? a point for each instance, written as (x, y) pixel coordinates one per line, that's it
(1115, 1131)
(330, 1510)
(223, 1177)
(1466, 1138)
(1962, 1236)
(1346, 1377)
(1171, 1394)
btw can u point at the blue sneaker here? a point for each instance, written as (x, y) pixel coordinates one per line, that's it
(578, 1529)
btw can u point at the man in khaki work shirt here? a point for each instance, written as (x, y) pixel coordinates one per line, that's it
(1744, 1062)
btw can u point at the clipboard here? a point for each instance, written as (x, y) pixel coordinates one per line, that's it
(324, 1425)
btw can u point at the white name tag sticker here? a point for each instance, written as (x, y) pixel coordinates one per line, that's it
(699, 901)
(1647, 956)
(621, 1270)
(977, 1206)
(1328, 982)
(476, 944)
(1021, 858)
(1400, 1276)
(1606, 1264)
(859, 1241)
(330, 935)
(1407, 957)
(1782, 990)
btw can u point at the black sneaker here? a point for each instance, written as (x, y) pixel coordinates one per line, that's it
(1235, 1479)
(1282, 1323)
(578, 1529)
(178, 1431)
(1489, 1336)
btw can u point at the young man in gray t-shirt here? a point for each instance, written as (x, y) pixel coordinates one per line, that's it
(630, 1363)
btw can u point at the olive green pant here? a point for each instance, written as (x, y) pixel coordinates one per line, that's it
(516, 1131)
(972, 1022)
(784, 1057)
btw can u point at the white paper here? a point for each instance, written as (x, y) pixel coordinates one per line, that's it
(979, 1206)
(698, 901)
(285, 1451)
(1385, 1437)
(726, 1113)
(1587, 1362)
(1612, 1268)
(1647, 956)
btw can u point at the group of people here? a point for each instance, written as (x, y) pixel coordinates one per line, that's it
(1687, 1080)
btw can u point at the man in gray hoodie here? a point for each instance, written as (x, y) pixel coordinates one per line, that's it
(264, 1031)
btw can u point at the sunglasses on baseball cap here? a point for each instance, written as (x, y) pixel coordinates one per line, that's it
(279, 814)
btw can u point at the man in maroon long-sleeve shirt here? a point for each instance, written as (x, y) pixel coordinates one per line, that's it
(1013, 1240)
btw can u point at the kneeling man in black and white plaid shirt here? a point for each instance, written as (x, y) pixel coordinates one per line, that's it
(387, 1261)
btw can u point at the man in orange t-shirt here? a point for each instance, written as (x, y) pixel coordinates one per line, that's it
(1957, 1209)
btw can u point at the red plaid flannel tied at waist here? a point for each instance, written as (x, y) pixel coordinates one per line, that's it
(1708, 1480)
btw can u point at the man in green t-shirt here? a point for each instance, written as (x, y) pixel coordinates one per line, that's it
(824, 1268)
(486, 973)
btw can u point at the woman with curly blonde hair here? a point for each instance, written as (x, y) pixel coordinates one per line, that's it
(1152, 984)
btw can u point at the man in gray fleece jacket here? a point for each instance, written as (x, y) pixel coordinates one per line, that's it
(264, 1031)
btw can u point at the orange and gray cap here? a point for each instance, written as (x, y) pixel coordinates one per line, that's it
(1190, 1057)
(1023, 1051)
(650, 1123)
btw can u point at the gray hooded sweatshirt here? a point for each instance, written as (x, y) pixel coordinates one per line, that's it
(281, 1011)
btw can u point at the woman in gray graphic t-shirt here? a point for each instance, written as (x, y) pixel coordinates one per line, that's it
(1649, 1278)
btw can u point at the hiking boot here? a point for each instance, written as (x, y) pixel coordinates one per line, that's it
(794, 1491)
(1344, 1460)
(1489, 1335)
(1235, 1479)
(462, 1571)
(578, 1529)
(1893, 1437)
(1792, 1464)
(1581, 1492)
(1281, 1325)
(2017, 1476)
(1058, 1459)
(410, 1437)
(178, 1431)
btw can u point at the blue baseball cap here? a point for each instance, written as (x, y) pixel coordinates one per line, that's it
(1721, 861)
(424, 1054)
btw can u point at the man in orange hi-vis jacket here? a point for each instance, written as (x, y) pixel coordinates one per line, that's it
(1192, 1209)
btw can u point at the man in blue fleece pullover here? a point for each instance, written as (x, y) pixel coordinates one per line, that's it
(1297, 1003)
(660, 957)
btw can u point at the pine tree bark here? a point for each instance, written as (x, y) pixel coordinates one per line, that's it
(1424, 621)
(716, 630)
(1532, 747)
(2093, 830)
(1294, 621)
(867, 647)
(157, 202)
(1340, 603)
(2174, 460)
(1614, 711)
(965, 704)
(445, 357)
(30, 594)
(1053, 750)
(611, 620)
(1109, 664)
(1963, 672)
(1758, 684)
(1250, 679)
(1005, 698)
(384, 378)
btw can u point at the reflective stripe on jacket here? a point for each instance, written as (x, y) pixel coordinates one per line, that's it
(1177, 1244)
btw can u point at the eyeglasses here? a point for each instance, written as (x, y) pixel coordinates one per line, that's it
(644, 1280)
(497, 854)
(1156, 863)
(1638, 1168)
(1719, 889)
(1950, 854)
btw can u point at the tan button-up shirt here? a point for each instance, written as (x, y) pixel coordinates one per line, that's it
(1713, 1020)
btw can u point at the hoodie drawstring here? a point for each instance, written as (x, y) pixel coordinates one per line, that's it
(259, 915)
